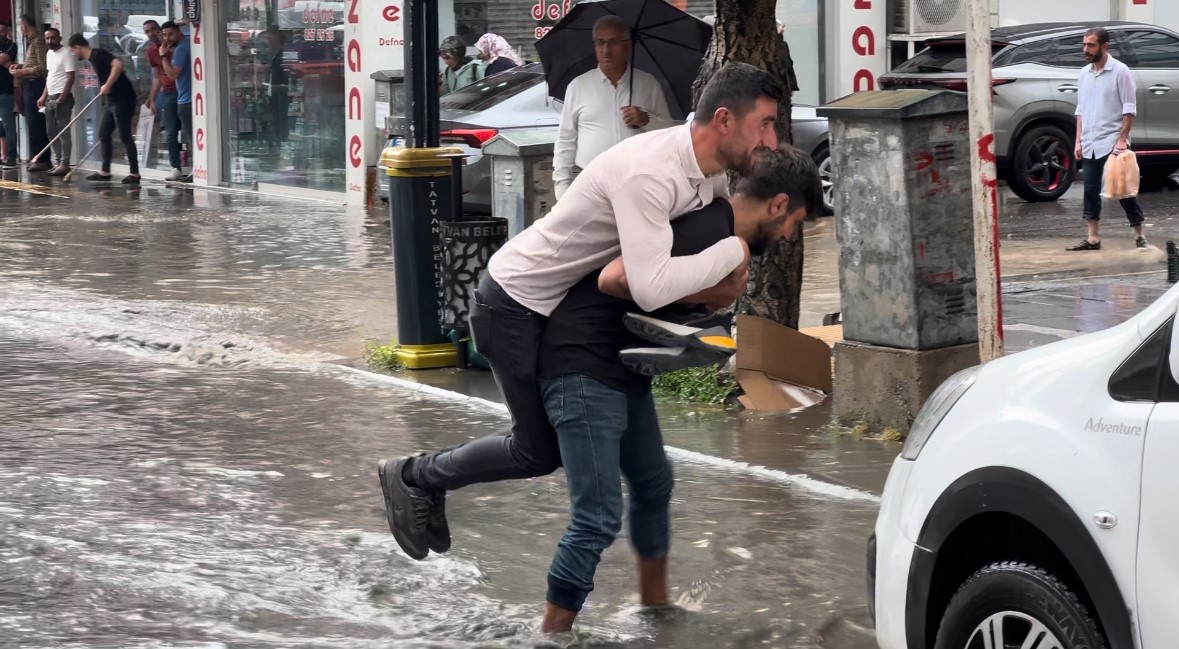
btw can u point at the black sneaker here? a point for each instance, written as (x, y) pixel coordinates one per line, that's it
(438, 530)
(406, 509)
(651, 361)
(1085, 244)
(672, 334)
(131, 180)
(97, 177)
(9, 164)
(1141, 244)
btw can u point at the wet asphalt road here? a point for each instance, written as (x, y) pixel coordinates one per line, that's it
(187, 464)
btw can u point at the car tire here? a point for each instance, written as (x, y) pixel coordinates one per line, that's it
(1022, 600)
(822, 158)
(1043, 167)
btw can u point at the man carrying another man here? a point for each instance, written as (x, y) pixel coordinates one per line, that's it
(602, 107)
(604, 414)
(162, 99)
(624, 202)
(175, 60)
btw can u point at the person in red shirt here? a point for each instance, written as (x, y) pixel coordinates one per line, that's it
(162, 99)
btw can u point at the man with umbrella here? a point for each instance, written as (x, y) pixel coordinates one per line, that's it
(606, 105)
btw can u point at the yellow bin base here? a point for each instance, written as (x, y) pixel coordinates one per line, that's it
(427, 357)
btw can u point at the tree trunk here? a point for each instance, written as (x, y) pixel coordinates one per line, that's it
(746, 32)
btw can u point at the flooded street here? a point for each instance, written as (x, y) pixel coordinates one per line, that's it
(187, 462)
(189, 456)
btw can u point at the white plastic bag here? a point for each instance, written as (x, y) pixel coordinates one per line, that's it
(143, 134)
(1121, 176)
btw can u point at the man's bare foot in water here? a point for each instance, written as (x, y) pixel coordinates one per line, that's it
(557, 619)
(653, 581)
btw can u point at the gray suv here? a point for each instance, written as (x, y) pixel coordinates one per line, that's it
(1035, 84)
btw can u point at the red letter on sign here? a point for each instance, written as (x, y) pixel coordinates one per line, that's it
(196, 34)
(354, 55)
(538, 11)
(863, 4)
(863, 81)
(864, 34)
(198, 104)
(353, 17)
(354, 103)
(198, 69)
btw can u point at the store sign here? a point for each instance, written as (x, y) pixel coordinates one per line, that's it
(549, 11)
(861, 48)
(192, 11)
(200, 116)
(319, 23)
(358, 124)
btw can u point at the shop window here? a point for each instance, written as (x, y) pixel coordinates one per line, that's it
(286, 93)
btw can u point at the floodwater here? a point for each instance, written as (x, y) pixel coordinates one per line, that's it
(187, 462)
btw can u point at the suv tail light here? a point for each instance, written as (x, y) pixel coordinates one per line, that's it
(958, 85)
(474, 137)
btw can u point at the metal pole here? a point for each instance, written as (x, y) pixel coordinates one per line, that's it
(984, 181)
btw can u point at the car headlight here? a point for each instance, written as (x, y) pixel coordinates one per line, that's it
(935, 410)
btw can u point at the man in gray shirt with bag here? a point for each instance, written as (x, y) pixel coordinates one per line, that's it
(621, 204)
(1106, 105)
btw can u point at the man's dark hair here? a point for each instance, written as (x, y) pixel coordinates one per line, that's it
(54, 30)
(27, 19)
(151, 22)
(1101, 33)
(78, 40)
(789, 171)
(736, 86)
(170, 25)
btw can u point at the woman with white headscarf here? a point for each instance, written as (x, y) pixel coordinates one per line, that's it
(497, 55)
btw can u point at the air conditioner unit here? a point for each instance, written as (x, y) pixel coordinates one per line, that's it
(918, 17)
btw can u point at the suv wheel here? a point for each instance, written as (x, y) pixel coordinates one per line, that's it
(1017, 605)
(822, 159)
(1043, 167)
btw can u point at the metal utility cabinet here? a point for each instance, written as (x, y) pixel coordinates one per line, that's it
(906, 252)
(522, 175)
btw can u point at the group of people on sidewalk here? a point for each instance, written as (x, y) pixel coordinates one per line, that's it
(647, 224)
(46, 81)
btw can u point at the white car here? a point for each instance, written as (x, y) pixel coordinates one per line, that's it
(1036, 501)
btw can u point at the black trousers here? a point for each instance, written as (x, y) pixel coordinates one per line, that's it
(119, 113)
(35, 119)
(508, 335)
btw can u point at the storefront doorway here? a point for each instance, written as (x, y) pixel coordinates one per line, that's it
(285, 78)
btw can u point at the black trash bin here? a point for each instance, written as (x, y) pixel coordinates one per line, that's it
(467, 247)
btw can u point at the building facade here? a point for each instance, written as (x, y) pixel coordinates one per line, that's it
(283, 99)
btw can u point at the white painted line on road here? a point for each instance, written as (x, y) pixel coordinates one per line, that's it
(803, 481)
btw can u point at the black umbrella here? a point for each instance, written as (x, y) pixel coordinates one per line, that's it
(668, 44)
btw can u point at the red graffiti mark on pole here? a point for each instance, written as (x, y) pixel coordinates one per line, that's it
(200, 139)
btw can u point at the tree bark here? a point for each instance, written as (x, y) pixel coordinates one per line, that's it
(746, 32)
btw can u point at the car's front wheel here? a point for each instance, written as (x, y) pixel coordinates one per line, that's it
(822, 159)
(1011, 604)
(1043, 167)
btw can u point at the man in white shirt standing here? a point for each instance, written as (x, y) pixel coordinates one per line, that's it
(58, 99)
(1106, 106)
(600, 108)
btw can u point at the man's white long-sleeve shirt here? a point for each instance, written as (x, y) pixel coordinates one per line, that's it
(622, 203)
(591, 121)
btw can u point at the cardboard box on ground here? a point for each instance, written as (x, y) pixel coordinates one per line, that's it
(780, 368)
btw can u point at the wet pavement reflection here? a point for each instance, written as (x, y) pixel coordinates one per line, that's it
(187, 463)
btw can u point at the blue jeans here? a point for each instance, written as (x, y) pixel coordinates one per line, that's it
(1094, 173)
(602, 432)
(166, 103)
